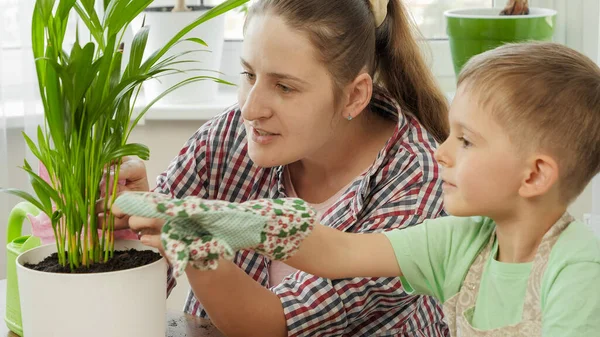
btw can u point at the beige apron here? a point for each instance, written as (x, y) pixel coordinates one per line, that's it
(459, 308)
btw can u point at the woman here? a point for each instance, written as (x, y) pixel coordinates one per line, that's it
(337, 107)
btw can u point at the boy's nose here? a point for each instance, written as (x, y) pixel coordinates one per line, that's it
(441, 155)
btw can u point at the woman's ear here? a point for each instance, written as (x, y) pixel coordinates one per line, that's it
(541, 177)
(358, 95)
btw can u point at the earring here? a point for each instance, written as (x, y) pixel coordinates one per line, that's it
(349, 117)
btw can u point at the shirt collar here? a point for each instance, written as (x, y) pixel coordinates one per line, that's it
(383, 105)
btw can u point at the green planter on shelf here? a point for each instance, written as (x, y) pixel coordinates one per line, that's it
(475, 30)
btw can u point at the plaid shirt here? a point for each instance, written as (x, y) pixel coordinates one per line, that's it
(401, 189)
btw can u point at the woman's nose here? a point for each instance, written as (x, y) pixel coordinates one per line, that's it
(255, 103)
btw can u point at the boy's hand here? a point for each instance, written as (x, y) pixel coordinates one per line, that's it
(200, 231)
(148, 230)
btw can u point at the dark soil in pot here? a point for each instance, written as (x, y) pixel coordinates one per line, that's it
(122, 260)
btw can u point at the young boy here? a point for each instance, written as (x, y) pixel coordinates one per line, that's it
(524, 142)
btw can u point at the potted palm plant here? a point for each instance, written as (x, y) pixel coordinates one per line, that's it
(168, 17)
(473, 31)
(86, 283)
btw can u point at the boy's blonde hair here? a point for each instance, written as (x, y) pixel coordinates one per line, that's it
(547, 97)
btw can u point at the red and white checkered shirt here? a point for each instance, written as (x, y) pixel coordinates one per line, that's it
(401, 189)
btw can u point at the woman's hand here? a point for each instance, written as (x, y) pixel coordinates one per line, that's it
(133, 177)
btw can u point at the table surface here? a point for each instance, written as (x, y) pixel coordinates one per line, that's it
(179, 324)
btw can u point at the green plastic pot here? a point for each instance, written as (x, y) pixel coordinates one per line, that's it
(476, 30)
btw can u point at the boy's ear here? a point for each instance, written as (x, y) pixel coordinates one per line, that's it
(358, 95)
(540, 177)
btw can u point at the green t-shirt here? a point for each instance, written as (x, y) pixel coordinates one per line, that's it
(435, 258)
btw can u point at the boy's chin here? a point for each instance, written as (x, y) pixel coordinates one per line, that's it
(456, 208)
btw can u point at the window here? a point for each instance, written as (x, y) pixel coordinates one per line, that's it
(10, 46)
(234, 24)
(9, 29)
(577, 27)
(429, 14)
(234, 19)
(19, 93)
(429, 17)
(15, 52)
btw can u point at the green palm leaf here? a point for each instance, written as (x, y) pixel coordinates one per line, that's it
(88, 101)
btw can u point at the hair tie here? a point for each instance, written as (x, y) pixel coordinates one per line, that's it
(379, 9)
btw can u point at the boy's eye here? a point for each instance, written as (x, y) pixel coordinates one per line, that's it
(285, 89)
(465, 142)
(248, 75)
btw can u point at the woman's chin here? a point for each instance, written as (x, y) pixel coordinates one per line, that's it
(264, 158)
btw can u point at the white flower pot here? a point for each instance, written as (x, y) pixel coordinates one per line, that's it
(163, 26)
(128, 303)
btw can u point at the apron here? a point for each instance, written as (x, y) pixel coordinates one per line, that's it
(462, 305)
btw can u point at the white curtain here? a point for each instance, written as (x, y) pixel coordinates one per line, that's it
(20, 109)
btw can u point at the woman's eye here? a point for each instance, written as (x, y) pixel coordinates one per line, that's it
(284, 88)
(465, 142)
(248, 75)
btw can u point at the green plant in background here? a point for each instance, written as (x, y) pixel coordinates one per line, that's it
(516, 7)
(472, 31)
(88, 102)
(244, 8)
